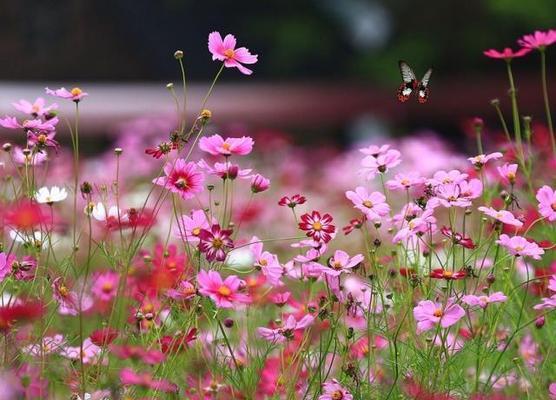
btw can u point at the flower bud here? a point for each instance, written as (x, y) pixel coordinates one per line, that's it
(228, 322)
(118, 151)
(495, 102)
(178, 55)
(259, 183)
(539, 322)
(205, 114)
(7, 147)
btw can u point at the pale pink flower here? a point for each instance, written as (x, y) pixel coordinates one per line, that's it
(416, 226)
(105, 285)
(332, 390)
(452, 343)
(287, 331)
(508, 173)
(519, 246)
(69, 300)
(428, 314)
(548, 303)
(375, 151)
(267, 262)
(280, 299)
(33, 158)
(381, 164)
(74, 94)
(36, 109)
(373, 205)
(483, 301)
(216, 145)
(482, 159)
(529, 351)
(224, 50)
(404, 181)
(443, 177)
(547, 202)
(189, 227)
(49, 345)
(538, 40)
(182, 177)
(145, 379)
(184, 291)
(91, 352)
(259, 183)
(507, 54)
(225, 170)
(10, 122)
(225, 293)
(503, 216)
(552, 283)
(341, 262)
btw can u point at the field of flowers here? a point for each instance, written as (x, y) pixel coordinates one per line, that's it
(201, 265)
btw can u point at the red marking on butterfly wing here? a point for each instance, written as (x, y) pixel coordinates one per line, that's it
(401, 96)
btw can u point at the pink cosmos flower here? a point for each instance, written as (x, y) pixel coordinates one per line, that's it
(506, 54)
(36, 109)
(483, 301)
(182, 177)
(373, 205)
(74, 94)
(503, 216)
(293, 201)
(332, 390)
(538, 40)
(428, 314)
(341, 262)
(225, 170)
(214, 242)
(259, 183)
(216, 145)
(287, 331)
(105, 285)
(548, 303)
(23, 270)
(381, 164)
(416, 226)
(375, 151)
(519, 246)
(280, 299)
(529, 351)
(148, 356)
(552, 391)
(267, 262)
(144, 379)
(318, 227)
(31, 382)
(508, 173)
(184, 291)
(190, 226)
(404, 181)
(482, 159)
(91, 352)
(68, 300)
(32, 158)
(225, 293)
(547, 202)
(443, 177)
(42, 139)
(224, 50)
(49, 345)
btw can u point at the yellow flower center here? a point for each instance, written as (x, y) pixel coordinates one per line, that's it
(337, 265)
(317, 226)
(438, 313)
(217, 243)
(483, 299)
(64, 292)
(42, 138)
(107, 287)
(226, 146)
(181, 183)
(196, 231)
(337, 395)
(368, 204)
(447, 274)
(76, 91)
(229, 53)
(553, 206)
(263, 262)
(224, 291)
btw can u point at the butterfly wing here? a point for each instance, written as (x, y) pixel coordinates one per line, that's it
(423, 87)
(409, 82)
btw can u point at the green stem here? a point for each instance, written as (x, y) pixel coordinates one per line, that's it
(546, 103)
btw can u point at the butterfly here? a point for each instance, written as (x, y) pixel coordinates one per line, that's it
(411, 84)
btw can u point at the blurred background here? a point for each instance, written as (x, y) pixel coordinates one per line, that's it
(327, 69)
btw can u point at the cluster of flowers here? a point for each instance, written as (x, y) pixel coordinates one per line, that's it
(438, 286)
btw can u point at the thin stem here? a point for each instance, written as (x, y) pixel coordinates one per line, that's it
(546, 102)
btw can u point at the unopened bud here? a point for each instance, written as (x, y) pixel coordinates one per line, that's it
(7, 147)
(228, 322)
(178, 54)
(495, 102)
(118, 151)
(539, 322)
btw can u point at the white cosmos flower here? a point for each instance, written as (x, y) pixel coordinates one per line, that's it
(52, 195)
(100, 214)
(36, 239)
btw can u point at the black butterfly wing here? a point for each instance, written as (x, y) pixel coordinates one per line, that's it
(409, 81)
(423, 87)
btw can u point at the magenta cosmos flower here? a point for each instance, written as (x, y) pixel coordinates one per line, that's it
(503, 216)
(105, 286)
(225, 293)
(216, 145)
(129, 377)
(483, 301)
(190, 226)
(428, 314)
(74, 94)
(182, 177)
(547, 202)
(259, 183)
(341, 262)
(538, 40)
(36, 109)
(318, 227)
(332, 390)
(508, 173)
(506, 54)
(519, 246)
(287, 331)
(214, 242)
(373, 205)
(224, 50)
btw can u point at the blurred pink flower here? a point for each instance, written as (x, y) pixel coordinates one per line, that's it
(91, 352)
(74, 94)
(332, 390)
(145, 379)
(225, 293)
(506, 54)
(259, 183)
(508, 173)
(36, 109)
(216, 145)
(483, 301)
(482, 159)
(214, 242)
(503, 216)
(267, 262)
(225, 170)
(404, 181)
(182, 177)
(373, 205)
(287, 331)
(552, 390)
(184, 291)
(538, 39)
(105, 285)
(374, 150)
(224, 50)
(547, 202)
(189, 227)
(341, 262)
(519, 246)
(443, 177)
(428, 314)
(381, 164)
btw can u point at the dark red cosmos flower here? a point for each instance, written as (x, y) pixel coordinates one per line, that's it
(355, 223)
(215, 242)
(441, 273)
(292, 202)
(18, 313)
(161, 149)
(318, 227)
(104, 336)
(178, 342)
(458, 238)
